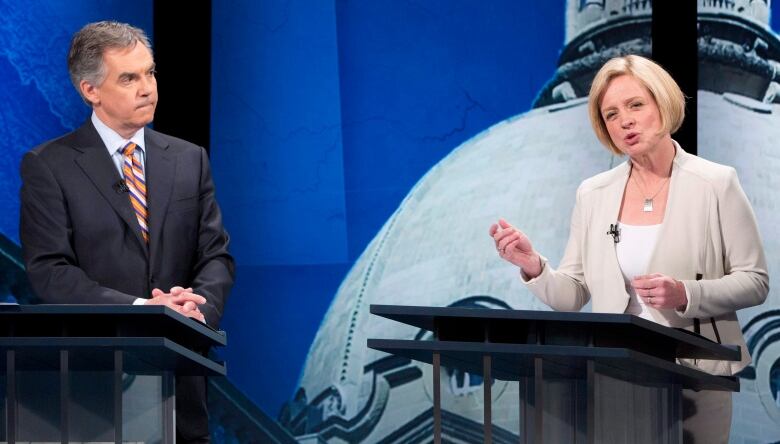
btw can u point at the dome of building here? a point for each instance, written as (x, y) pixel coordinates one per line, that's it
(596, 31)
(756, 11)
(583, 16)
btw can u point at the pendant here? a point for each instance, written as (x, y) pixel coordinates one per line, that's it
(648, 208)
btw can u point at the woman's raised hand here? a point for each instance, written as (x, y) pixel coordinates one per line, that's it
(515, 247)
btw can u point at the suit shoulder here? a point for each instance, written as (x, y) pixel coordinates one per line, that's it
(55, 148)
(174, 142)
(710, 172)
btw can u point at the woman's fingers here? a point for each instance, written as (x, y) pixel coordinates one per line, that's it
(660, 291)
(509, 240)
(503, 234)
(511, 247)
(514, 237)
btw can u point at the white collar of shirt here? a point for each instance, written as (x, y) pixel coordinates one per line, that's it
(112, 140)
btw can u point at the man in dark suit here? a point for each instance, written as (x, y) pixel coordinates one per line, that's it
(116, 213)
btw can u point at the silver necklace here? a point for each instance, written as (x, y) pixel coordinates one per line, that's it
(648, 204)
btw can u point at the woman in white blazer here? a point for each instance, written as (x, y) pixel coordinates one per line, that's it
(683, 247)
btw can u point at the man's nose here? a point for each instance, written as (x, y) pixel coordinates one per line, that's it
(146, 86)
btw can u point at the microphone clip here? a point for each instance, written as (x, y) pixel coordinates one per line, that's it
(121, 187)
(614, 231)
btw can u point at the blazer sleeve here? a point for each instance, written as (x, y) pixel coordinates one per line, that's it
(746, 281)
(45, 230)
(564, 289)
(214, 268)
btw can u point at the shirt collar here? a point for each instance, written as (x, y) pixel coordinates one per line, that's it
(112, 140)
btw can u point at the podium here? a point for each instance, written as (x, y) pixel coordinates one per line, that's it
(97, 373)
(583, 377)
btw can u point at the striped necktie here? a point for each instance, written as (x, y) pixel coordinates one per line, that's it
(134, 178)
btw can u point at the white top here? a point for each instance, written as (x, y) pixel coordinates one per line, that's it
(636, 245)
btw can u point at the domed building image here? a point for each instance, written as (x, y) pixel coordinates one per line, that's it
(435, 249)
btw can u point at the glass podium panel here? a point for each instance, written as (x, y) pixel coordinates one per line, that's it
(617, 410)
(142, 408)
(91, 406)
(38, 407)
(3, 400)
(58, 398)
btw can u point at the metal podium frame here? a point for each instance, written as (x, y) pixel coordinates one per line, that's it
(117, 339)
(602, 351)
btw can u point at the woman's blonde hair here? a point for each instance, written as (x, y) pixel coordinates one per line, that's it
(662, 87)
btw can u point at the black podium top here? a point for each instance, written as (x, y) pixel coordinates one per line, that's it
(558, 328)
(622, 345)
(106, 321)
(153, 338)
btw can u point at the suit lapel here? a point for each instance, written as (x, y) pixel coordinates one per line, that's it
(98, 166)
(675, 220)
(670, 212)
(160, 174)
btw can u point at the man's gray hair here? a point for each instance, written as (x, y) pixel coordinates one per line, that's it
(85, 57)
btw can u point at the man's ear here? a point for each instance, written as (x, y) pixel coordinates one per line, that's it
(89, 92)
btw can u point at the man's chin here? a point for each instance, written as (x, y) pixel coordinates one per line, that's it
(146, 119)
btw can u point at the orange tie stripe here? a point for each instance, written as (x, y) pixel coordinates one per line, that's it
(136, 183)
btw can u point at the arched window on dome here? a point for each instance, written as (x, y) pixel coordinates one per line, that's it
(722, 4)
(586, 3)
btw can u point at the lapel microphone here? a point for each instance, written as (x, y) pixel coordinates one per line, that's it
(614, 231)
(120, 187)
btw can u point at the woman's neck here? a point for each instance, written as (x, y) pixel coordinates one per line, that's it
(657, 162)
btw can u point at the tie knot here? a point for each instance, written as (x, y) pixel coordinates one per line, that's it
(129, 149)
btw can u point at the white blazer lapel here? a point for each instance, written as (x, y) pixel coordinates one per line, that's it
(676, 237)
(615, 297)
